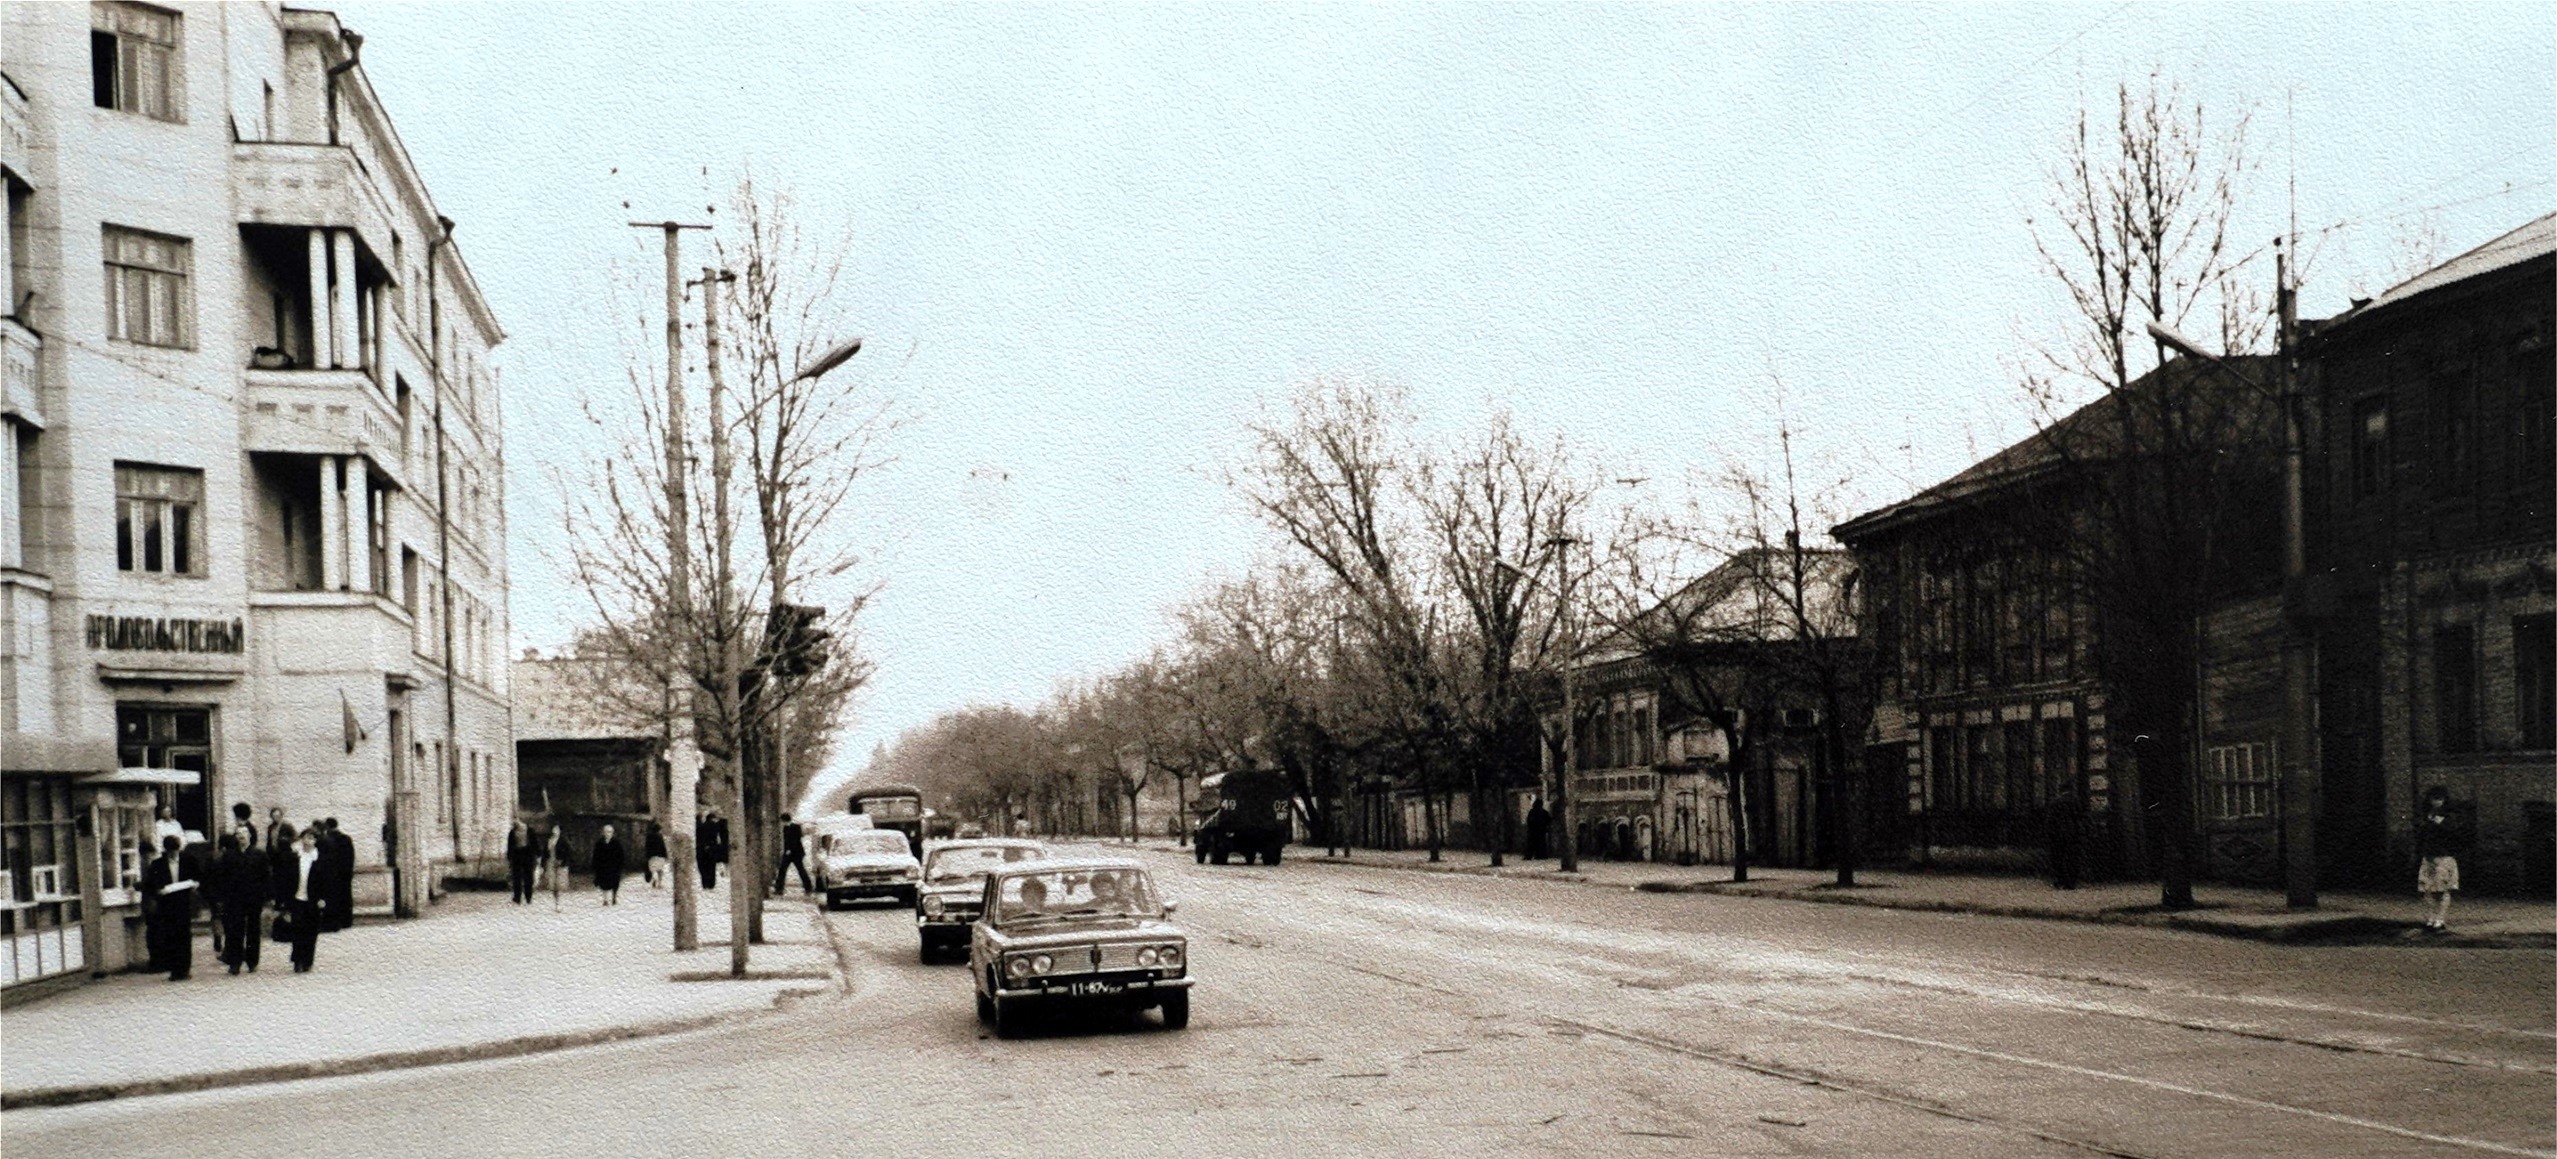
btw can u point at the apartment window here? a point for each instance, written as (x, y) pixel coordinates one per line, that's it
(2535, 680)
(133, 60)
(2454, 689)
(377, 532)
(2535, 449)
(2455, 436)
(150, 298)
(159, 523)
(2241, 781)
(2370, 446)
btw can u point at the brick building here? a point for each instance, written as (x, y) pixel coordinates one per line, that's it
(2432, 487)
(1986, 647)
(252, 532)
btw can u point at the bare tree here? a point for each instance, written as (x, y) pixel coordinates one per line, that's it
(2142, 490)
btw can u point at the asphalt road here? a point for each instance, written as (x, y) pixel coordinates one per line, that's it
(1346, 1011)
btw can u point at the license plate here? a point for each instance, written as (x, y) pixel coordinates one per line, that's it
(1095, 989)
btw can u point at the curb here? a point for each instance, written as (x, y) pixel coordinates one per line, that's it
(369, 1063)
(2356, 928)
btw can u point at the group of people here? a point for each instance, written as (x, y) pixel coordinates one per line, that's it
(306, 876)
(533, 857)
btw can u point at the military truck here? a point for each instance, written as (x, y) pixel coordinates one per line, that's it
(1244, 812)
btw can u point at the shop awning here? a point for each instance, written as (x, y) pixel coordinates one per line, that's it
(133, 776)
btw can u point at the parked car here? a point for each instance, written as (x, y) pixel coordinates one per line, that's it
(954, 878)
(857, 863)
(1076, 932)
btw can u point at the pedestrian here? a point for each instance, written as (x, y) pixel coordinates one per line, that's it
(794, 852)
(244, 823)
(301, 883)
(607, 859)
(279, 835)
(168, 893)
(710, 840)
(2437, 847)
(521, 856)
(280, 838)
(239, 898)
(1540, 827)
(340, 851)
(2064, 829)
(655, 852)
(555, 861)
(165, 826)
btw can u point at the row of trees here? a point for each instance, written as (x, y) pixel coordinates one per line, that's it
(1408, 626)
(1417, 601)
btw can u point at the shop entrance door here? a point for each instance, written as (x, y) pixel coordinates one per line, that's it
(154, 736)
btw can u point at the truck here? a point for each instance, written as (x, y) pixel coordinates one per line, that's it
(1245, 812)
(898, 807)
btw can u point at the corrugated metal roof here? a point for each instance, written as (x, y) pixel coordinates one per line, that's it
(2535, 238)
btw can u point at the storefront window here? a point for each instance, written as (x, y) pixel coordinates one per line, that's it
(121, 831)
(157, 737)
(40, 923)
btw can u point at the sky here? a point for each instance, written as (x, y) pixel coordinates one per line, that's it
(1088, 244)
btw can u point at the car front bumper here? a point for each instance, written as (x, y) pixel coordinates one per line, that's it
(1121, 989)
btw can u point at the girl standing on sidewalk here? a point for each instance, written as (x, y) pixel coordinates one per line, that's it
(2437, 858)
(521, 853)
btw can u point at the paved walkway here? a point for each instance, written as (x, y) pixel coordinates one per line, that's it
(2228, 910)
(475, 978)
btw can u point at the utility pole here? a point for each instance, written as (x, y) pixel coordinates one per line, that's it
(683, 755)
(744, 887)
(1568, 813)
(2300, 773)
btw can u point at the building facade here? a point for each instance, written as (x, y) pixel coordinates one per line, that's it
(2435, 473)
(1985, 644)
(1715, 687)
(579, 763)
(254, 537)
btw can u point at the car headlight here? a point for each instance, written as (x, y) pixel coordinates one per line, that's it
(1017, 967)
(1148, 956)
(1169, 956)
(1042, 964)
(913, 873)
(932, 907)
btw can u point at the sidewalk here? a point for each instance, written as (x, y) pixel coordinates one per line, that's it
(2231, 911)
(477, 977)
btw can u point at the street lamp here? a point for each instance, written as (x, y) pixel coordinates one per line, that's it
(2300, 775)
(1567, 814)
(840, 354)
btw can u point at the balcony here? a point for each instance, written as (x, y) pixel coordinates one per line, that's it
(324, 412)
(333, 632)
(291, 183)
(14, 132)
(21, 380)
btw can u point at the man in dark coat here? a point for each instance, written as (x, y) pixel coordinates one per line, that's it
(338, 850)
(1540, 823)
(168, 892)
(2064, 823)
(239, 895)
(794, 852)
(710, 846)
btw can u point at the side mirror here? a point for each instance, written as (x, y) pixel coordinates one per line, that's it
(1170, 906)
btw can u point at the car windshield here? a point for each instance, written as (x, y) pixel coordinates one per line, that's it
(866, 841)
(1069, 894)
(974, 860)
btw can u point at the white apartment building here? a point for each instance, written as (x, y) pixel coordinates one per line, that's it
(252, 513)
